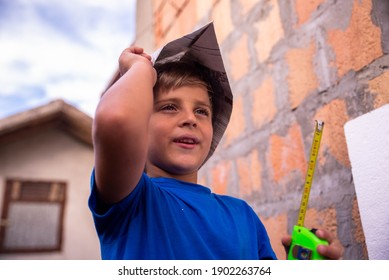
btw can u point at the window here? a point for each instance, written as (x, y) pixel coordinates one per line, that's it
(32, 216)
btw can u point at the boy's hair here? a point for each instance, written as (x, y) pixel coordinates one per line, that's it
(173, 75)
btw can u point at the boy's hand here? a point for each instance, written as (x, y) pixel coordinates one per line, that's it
(132, 55)
(333, 251)
(127, 59)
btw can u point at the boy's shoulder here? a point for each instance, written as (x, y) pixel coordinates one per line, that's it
(232, 200)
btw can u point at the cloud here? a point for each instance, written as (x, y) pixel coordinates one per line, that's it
(60, 49)
(16, 102)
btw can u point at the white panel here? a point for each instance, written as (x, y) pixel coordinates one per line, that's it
(368, 147)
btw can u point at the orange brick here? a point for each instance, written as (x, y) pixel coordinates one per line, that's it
(264, 107)
(277, 228)
(239, 58)
(201, 180)
(305, 8)
(203, 8)
(221, 15)
(247, 5)
(243, 165)
(256, 171)
(156, 4)
(237, 122)
(220, 177)
(360, 43)
(287, 153)
(334, 116)
(249, 171)
(158, 27)
(185, 20)
(301, 78)
(379, 86)
(168, 15)
(358, 229)
(178, 3)
(325, 219)
(270, 31)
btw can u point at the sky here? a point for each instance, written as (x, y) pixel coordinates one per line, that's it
(60, 49)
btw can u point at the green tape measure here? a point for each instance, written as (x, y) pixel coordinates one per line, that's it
(304, 241)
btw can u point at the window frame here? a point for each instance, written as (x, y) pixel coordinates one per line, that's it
(8, 199)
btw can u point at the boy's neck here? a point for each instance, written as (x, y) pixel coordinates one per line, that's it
(155, 172)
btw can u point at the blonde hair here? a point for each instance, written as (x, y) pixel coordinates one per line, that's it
(174, 75)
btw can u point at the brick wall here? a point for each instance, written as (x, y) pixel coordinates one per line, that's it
(291, 62)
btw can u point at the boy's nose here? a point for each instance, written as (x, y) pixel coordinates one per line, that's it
(189, 119)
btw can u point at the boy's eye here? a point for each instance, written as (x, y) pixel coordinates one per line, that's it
(168, 107)
(202, 111)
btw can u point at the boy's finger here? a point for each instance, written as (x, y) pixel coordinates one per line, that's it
(134, 50)
(286, 240)
(137, 50)
(322, 234)
(146, 56)
(330, 252)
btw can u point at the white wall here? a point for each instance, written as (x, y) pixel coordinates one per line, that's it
(55, 155)
(368, 146)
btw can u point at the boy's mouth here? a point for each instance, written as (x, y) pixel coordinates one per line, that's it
(186, 141)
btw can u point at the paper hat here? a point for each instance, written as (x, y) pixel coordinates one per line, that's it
(202, 47)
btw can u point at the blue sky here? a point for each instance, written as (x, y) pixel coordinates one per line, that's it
(52, 49)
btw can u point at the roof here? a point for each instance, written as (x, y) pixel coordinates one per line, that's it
(56, 114)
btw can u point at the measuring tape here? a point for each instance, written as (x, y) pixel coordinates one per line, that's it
(304, 241)
(311, 170)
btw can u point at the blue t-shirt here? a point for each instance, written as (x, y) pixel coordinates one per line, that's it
(166, 219)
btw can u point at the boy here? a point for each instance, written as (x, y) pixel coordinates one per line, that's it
(152, 132)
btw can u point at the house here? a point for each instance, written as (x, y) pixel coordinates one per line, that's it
(46, 158)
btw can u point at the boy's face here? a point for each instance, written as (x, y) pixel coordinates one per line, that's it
(180, 131)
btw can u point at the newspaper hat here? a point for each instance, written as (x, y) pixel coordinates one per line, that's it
(201, 47)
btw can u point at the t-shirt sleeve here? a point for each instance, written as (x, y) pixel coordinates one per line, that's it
(107, 218)
(265, 251)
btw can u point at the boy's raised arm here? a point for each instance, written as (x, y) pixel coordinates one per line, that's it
(120, 127)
